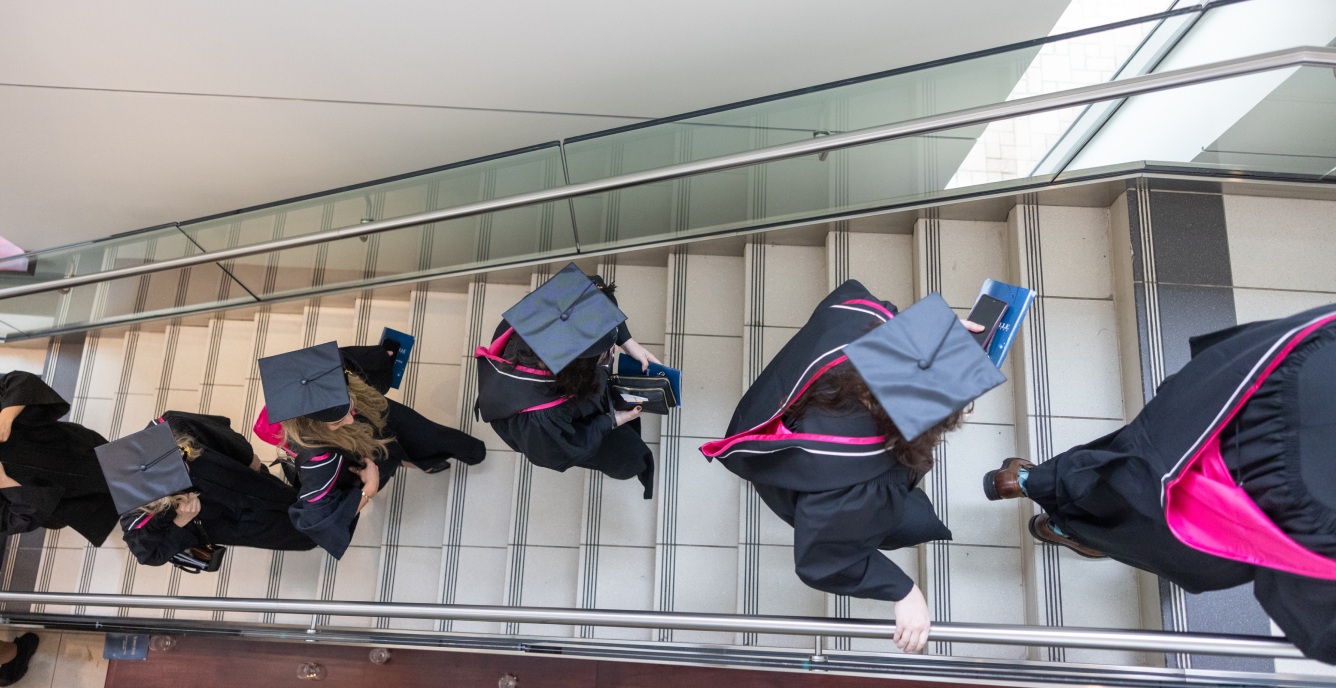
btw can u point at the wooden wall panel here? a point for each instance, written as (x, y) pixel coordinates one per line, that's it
(222, 663)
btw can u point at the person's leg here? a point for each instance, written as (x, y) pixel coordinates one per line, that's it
(16, 666)
(8, 651)
(1014, 480)
(623, 455)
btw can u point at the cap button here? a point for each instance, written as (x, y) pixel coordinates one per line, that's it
(924, 364)
(564, 316)
(303, 382)
(144, 467)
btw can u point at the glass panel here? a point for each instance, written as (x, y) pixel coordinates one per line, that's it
(494, 238)
(865, 177)
(1289, 130)
(97, 256)
(171, 292)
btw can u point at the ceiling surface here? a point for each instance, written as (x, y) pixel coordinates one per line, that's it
(124, 115)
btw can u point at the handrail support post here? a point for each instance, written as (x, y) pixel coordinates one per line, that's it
(819, 657)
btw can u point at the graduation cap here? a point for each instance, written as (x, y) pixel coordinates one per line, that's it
(143, 467)
(923, 365)
(566, 318)
(307, 382)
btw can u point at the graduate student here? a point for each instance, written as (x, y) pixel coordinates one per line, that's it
(347, 440)
(421, 442)
(838, 430)
(1227, 476)
(49, 475)
(232, 500)
(543, 381)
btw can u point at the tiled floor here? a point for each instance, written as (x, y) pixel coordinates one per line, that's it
(65, 659)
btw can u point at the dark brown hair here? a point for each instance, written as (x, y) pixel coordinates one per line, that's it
(842, 390)
(579, 379)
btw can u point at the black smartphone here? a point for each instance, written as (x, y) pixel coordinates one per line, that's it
(988, 312)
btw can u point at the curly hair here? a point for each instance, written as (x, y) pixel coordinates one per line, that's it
(842, 390)
(358, 439)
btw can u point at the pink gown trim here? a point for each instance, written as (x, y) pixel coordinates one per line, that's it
(775, 430)
(870, 304)
(498, 347)
(1207, 511)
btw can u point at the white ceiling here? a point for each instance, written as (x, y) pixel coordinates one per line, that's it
(115, 116)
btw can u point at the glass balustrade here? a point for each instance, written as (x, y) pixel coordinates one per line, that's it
(1278, 125)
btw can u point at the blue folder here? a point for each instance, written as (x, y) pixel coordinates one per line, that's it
(630, 366)
(1018, 300)
(401, 358)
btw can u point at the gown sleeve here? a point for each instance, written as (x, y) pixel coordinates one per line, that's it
(836, 534)
(155, 538)
(25, 508)
(551, 438)
(371, 363)
(216, 433)
(44, 405)
(1303, 607)
(326, 512)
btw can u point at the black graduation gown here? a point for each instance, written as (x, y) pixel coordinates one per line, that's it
(328, 493)
(829, 476)
(426, 443)
(556, 432)
(60, 479)
(238, 506)
(1123, 494)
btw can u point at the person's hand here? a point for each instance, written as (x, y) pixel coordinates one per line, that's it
(7, 416)
(624, 417)
(187, 512)
(971, 326)
(370, 475)
(640, 353)
(256, 464)
(912, 622)
(5, 480)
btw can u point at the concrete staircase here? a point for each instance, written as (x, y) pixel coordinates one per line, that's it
(506, 533)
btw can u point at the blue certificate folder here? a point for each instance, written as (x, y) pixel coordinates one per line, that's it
(630, 366)
(125, 646)
(400, 359)
(1018, 300)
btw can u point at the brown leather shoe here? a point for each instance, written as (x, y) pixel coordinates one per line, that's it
(1005, 482)
(1041, 530)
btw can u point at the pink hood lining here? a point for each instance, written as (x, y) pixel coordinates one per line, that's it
(774, 429)
(1207, 511)
(498, 347)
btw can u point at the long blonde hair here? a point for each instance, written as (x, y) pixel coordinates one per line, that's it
(189, 451)
(358, 439)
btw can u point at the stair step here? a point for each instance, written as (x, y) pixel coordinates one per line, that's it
(695, 565)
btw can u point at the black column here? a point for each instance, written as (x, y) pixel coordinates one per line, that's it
(1184, 287)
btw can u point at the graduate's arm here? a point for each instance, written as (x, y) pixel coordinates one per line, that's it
(552, 440)
(155, 538)
(26, 392)
(639, 353)
(323, 511)
(24, 509)
(214, 432)
(835, 546)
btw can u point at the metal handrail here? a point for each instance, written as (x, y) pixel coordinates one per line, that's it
(995, 634)
(1149, 83)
